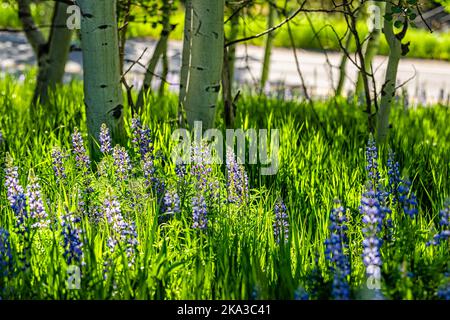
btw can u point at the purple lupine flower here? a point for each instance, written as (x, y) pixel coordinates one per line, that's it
(237, 179)
(180, 170)
(281, 223)
(122, 233)
(58, 166)
(171, 202)
(200, 165)
(36, 205)
(105, 139)
(151, 179)
(1, 138)
(444, 291)
(334, 252)
(141, 137)
(73, 245)
(81, 157)
(372, 161)
(393, 174)
(444, 223)
(5, 253)
(301, 294)
(407, 199)
(373, 220)
(122, 163)
(16, 195)
(199, 212)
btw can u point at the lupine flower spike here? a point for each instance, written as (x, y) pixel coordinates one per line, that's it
(16, 195)
(336, 244)
(38, 214)
(281, 223)
(58, 166)
(105, 139)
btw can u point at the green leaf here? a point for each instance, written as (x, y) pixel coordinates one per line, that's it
(396, 9)
(398, 24)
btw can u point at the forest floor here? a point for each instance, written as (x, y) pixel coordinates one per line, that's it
(427, 81)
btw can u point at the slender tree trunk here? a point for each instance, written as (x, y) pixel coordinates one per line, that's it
(125, 8)
(343, 65)
(101, 69)
(52, 63)
(204, 44)
(370, 50)
(229, 61)
(388, 89)
(165, 72)
(160, 51)
(185, 60)
(268, 48)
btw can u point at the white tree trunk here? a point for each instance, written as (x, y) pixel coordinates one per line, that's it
(203, 44)
(101, 68)
(388, 89)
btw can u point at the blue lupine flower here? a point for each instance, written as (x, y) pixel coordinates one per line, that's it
(58, 166)
(180, 170)
(82, 160)
(444, 223)
(444, 291)
(122, 163)
(5, 253)
(141, 137)
(281, 223)
(373, 217)
(393, 174)
(200, 165)
(16, 195)
(73, 245)
(334, 252)
(237, 179)
(105, 139)
(171, 202)
(122, 233)
(301, 294)
(36, 205)
(372, 161)
(407, 199)
(199, 212)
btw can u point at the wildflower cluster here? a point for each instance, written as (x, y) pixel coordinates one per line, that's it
(281, 223)
(58, 165)
(336, 244)
(72, 242)
(105, 139)
(82, 160)
(237, 180)
(122, 234)
(122, 163)
(37, 212)
(16, 195)
(444, 233)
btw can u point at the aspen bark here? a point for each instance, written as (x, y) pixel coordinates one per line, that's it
(101, 69)
(389, 86)
(204, 43)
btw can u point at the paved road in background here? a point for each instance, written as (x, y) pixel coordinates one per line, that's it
(429, 80)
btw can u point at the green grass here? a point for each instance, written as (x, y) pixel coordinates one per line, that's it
(237, 257)
(424, 44)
